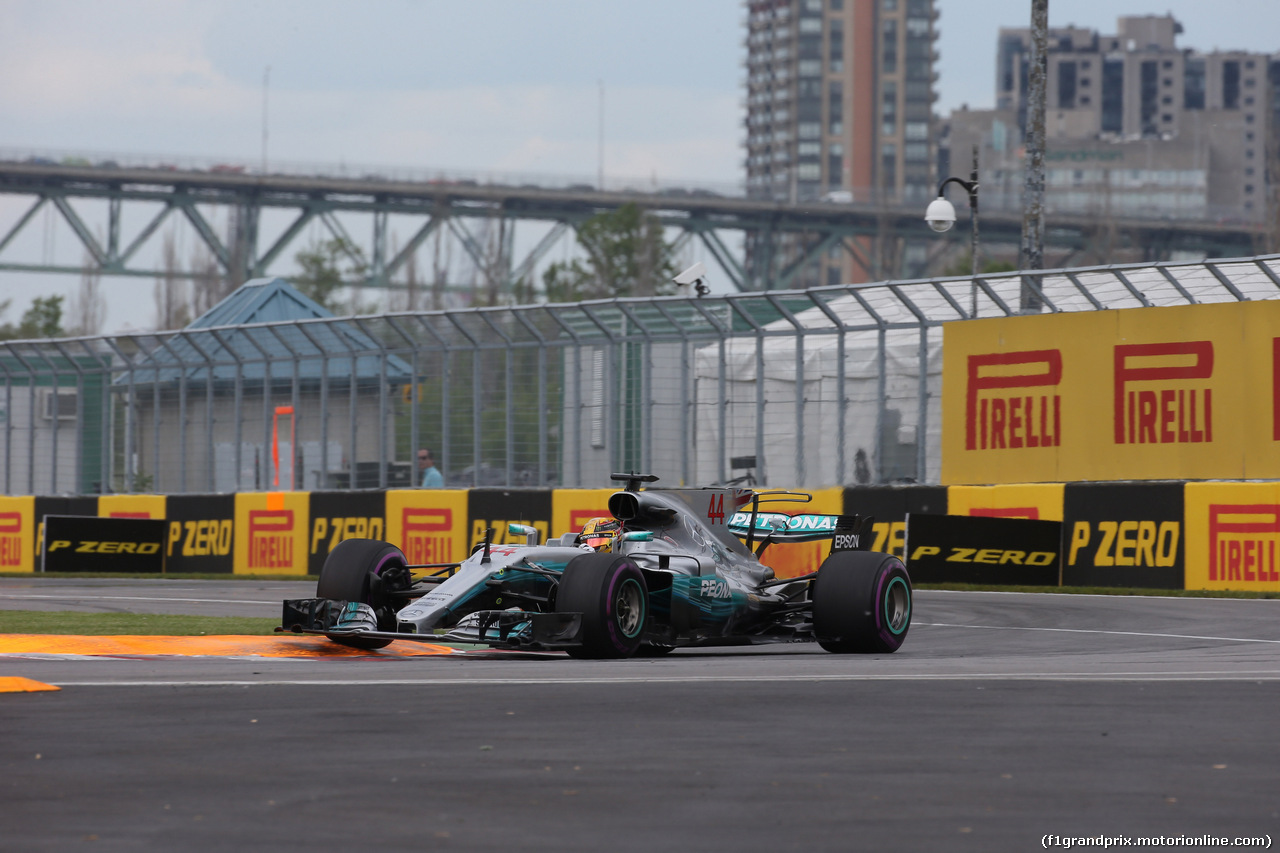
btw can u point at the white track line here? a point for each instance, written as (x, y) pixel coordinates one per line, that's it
(1247, 675)
(1096, 631)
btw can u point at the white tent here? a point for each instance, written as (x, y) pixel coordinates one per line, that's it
(816, 414)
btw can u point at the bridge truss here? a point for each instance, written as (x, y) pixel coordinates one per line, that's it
(250, 224)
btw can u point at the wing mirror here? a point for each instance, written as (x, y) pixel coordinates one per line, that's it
(530, 534)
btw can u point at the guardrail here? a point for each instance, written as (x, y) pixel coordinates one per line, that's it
(816, 388)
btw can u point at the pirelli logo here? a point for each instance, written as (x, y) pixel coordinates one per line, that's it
(579, 517)
(1275, 389)
(270, 538)
(1242, 542)
(425, 534)
(1011, 400)
(10, 539)
(1147, 410)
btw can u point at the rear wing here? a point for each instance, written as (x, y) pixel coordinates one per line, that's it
(845, 531)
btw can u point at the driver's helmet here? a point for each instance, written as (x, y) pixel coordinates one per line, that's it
(597, 534)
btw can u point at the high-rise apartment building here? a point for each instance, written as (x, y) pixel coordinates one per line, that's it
(840, 103)
(1135, 125)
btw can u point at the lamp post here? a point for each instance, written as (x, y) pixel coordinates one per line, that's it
(941, 215)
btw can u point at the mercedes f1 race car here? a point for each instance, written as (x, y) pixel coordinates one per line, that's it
(668, 569)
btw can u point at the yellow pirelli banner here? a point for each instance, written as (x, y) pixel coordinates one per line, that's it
(1233, 536)
(18, 528)
(1189, 392)
(1035, 501)
(271, 533)
(429, 525)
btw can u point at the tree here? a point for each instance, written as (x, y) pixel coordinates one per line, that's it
(327, 267)
(88, 309)
(42, 320)
(172, 292)
(964, 265)
(627, 255)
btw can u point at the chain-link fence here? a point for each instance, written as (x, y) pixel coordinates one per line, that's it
(823, 387)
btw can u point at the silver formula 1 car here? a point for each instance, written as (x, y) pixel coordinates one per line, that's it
(677, 570)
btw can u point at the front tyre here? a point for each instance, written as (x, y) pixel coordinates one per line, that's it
(611, 594)
(861, 602)
(358, 570)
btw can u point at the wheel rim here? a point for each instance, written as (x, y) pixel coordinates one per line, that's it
(897, 606)
(628, 608)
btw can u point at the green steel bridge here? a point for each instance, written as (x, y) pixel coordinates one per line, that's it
(117, 212)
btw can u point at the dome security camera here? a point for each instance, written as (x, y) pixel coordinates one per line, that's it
(941, 215)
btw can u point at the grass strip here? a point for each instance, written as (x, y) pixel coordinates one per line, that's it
(130, 624)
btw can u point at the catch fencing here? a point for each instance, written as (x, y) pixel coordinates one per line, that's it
(831, 386)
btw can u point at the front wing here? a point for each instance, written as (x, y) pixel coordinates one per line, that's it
(506, 629)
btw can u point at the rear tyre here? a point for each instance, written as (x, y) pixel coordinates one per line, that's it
(861, 603)
(358, 570)
(610, 593)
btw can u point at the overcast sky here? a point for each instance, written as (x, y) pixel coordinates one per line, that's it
(486, 85)
(508, 86)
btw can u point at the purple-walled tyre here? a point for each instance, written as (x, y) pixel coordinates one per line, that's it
(611, 594)
(861, 602)
(350, 573)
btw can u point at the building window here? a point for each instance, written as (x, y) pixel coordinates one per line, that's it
(889, 46)
(1148, 96)
(889, 108)
(1112, 95)
(1066, 85)
(835, 47)
(810, 25)
(915, 152)
(1231, 85)
(1193, 87)
(889, 164)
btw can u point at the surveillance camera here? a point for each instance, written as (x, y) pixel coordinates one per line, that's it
(692, 275)
(940, 215)
(695, 275)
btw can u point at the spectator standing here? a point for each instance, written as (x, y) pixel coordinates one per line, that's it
(431, 476)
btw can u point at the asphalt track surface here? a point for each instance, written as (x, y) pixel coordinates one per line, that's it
(1003, 719)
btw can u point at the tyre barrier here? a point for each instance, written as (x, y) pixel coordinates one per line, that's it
(1151, 534)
